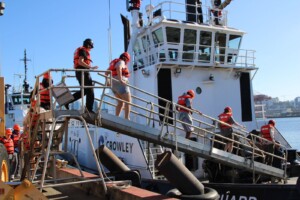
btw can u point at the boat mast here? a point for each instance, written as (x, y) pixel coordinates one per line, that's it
(109, 32)
(25, 85)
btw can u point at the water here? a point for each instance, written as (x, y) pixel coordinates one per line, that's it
(290, 129)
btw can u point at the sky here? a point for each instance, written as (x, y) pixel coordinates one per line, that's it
(51, 30)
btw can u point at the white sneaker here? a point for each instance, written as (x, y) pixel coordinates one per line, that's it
(12, 177)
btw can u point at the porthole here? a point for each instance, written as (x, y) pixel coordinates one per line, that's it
(198, 90)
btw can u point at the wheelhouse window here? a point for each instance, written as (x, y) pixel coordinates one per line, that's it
(205, 46)
(140, 63)
(137, 49)
(17, 100)
(234, 41)
(173, 35)
(146, 43)
(158, 38)
(233, 48)
(220, 47)
(189, 40)
(173, 38)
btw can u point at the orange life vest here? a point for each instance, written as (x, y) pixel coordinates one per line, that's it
(87, 59)
(181, 101)
(9, 145)
(125, 71)
(225, 117)
(136, 4)
(16, 138)
(266, 132)
(44, 95)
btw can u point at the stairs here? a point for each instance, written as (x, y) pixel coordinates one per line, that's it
(151, 152)
(35, 159)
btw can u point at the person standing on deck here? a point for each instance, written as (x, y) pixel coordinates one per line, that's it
(120, 74)
(16, 134)
(227, 131)
(12, 156)
(268, 133)
(185, 115)
(82, 60)
(44, 91)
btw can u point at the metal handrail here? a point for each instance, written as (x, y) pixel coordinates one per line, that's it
(171, 9)
(243, 58)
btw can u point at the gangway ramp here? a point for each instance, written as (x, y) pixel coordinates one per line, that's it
(147, 110)
(203, 150)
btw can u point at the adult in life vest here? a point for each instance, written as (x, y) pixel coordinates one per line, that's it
(16, 134)
(226, 130)
(9, 145)
(268, 142)
(185, 100)
(120, 75)
(82, 61)
(44, 92)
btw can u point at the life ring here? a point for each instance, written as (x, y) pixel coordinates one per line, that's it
(209, 194)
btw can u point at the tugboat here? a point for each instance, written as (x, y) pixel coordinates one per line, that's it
(175, 47)
(17, 100)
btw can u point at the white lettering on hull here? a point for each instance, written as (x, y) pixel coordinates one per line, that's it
(234, 197)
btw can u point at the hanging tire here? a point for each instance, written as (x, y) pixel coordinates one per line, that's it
(4, 164)
(209, 194)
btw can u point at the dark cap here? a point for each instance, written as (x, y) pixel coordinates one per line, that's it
(88, 42)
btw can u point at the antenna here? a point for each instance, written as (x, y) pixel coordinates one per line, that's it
(109, 32)
(25, 85)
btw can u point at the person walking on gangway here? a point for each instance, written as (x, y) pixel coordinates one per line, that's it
(268, 144)
(120, 74)
(185, 115)
(227, 131)
(82, 60)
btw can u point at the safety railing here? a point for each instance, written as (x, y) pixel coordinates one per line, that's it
(162, 114)
(205, 127)
(172, 53)
(203, 14)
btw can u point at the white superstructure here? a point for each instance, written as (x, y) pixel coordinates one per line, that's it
(173, 51)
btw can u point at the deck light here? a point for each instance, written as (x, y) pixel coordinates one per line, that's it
(146, 73)
(177, 71)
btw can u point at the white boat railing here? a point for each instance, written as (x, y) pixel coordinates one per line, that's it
(260, 111)
(213, 56)
(177, 10)
(163, 114)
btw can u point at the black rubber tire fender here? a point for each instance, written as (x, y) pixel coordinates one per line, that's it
(209, 194)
